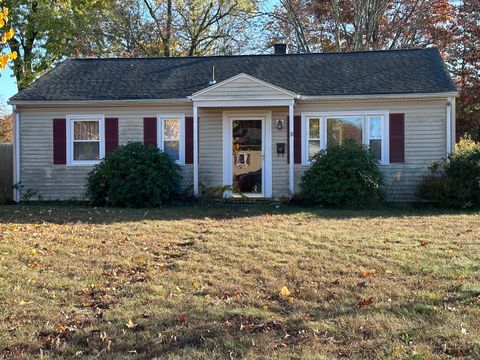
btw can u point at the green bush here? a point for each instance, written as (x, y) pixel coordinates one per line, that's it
(456, 181)
(343, 175)
(134, 175)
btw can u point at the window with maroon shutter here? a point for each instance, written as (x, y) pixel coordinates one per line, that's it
(150, 131)
(59, 141)
(188, 140)
(111, 134)
(397, 138)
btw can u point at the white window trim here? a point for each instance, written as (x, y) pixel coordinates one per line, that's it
(172, 116)
(84, 117)
(366, 128)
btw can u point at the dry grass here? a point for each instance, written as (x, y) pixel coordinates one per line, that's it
(204, 282)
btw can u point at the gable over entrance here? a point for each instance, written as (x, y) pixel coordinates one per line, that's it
(243, 87)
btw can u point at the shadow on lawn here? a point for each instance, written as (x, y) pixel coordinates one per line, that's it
(62, 213)
(233, 335)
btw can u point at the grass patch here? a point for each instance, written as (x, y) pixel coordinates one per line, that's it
(204, 282)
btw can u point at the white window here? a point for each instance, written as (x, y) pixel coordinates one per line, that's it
(323, 129)
(171, 136)
(313, 137)
(85, 139)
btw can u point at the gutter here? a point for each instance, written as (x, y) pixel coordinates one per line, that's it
(175, 101)
(189, 99)
(441, 95)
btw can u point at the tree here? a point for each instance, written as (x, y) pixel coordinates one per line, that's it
(46, 33)
(6, 128)
(5, 58)
(213, 26)
(355, 25)
(464, 61)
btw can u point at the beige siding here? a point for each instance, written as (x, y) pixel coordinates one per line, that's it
(280, 163)
(243, 88)
(210, 148)
(52, 182)
(425, 140)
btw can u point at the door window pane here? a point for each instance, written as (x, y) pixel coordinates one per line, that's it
(89, 150)
(86, 130)
(247, 157)
(342, 129)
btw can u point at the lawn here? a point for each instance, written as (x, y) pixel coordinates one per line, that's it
(206, 282)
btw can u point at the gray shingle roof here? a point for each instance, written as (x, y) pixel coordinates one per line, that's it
(353, 73)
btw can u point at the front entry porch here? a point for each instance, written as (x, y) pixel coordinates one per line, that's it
(241, 137)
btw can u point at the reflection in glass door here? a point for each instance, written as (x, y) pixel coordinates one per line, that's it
(247, 156)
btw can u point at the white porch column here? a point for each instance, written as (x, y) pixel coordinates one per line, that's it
(195, 150)
(290, 150)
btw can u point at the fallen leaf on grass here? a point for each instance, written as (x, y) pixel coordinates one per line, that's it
(366, 273)
(424, 243)
(182, 318)
(365, 302)
(361, 285)
(284, 292)
(130, 324)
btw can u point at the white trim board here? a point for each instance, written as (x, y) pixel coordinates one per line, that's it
(242, 103)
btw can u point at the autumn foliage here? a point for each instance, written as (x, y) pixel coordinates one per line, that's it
(5, 36)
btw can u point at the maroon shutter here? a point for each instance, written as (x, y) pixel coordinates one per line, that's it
(288, 140)
(297, 139)
(59, 141)
(111, 134)
(397, 138)
(189, 140)
(150, 131)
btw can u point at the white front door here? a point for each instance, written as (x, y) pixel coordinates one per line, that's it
(247, 155)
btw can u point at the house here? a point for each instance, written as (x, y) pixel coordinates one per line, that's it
(252, 122)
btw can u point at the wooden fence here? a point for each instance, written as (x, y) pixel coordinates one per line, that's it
(6, 172)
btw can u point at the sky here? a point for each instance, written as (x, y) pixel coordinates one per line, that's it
(8, 85)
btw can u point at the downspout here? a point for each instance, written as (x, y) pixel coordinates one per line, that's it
(454, 124)
(449, 126)
(16, 155)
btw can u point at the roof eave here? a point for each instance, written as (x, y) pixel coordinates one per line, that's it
(173, 101)
(412, 96)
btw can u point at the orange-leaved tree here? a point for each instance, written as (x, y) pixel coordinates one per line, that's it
(6, 34)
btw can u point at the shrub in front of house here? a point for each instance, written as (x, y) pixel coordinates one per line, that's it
(456, 181)
(134, 175)
(343, 175)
